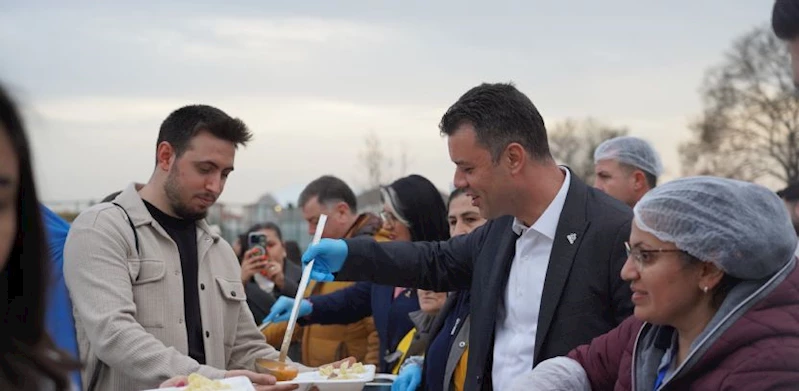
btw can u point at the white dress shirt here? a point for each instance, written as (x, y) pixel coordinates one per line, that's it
(517, 316)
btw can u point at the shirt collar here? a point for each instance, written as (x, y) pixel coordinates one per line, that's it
(547, 223)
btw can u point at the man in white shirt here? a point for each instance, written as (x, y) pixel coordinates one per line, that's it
(544, 273)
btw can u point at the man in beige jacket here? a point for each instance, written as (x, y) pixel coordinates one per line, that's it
(156, 294)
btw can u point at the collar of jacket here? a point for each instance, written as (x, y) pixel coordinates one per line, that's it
(653, 340)
(421, 320)
(134, 205)
(367, 224)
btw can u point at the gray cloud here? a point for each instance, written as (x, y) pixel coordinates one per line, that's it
(311, 78)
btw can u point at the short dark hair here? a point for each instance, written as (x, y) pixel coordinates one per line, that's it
(186, 122)
(790, 193)
(501, 115)
(29, 354)
(785, 19)
(455, 194)
(327, 189)
(651, 179)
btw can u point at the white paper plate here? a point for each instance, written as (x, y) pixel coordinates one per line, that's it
(238, 383)
(306, 380)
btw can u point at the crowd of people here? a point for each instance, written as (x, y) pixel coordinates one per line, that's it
(524, 278)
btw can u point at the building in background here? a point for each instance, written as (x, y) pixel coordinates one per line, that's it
(233, 219)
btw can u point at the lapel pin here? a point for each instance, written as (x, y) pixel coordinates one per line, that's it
(572, 237)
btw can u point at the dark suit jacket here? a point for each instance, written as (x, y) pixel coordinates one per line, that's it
(583, 295)
(364, 299)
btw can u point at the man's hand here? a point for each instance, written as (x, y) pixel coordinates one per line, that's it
(329, 256)
(281, 310)
(177, 381)
(254, 260)
(261, 381)
(351, 360)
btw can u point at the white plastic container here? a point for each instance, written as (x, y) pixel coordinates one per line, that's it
(307, 380)
(238, 383)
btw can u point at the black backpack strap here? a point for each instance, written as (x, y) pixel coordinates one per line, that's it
(132, 227)
(98, 368)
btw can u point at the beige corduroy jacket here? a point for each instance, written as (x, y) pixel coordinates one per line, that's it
(128, 304)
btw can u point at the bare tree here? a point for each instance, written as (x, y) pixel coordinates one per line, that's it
(749, 128)
(403, 159)
(379, 164)
(373, 159)
(572, 142)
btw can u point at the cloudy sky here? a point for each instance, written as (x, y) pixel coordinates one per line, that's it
(312, 78)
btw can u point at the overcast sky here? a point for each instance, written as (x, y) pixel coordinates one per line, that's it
(312, 78)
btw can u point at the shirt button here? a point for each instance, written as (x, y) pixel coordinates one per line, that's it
(202, 287)
(233, 293)
(177, 272)
(462, 345)
(180, 320)
(207, 334)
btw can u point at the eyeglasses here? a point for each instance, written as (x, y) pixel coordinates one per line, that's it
(388, 218)
(644, 258)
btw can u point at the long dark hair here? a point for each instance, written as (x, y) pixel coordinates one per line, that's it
(244, 238)
(27, 353)
(418, 202)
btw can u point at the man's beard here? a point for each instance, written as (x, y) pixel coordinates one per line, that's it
(173, 193)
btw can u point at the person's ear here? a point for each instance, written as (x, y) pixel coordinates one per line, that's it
(639, 180)
(164, 156)
(514, 157)
(710, 276)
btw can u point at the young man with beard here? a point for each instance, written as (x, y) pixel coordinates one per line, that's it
(156, 294)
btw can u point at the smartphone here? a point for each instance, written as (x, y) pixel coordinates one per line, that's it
(257, 240)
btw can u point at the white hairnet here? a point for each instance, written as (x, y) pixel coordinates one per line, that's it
(741, 227)
(632, 151)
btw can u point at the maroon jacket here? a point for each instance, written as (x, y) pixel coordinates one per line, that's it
(759, 351)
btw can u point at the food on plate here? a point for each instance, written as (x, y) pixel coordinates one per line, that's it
(199, 382)
(342, 373)
(280, 370)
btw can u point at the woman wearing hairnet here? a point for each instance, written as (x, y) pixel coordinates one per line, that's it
(716, 291)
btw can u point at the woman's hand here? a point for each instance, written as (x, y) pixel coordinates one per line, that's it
(254, 261)
(274, 272)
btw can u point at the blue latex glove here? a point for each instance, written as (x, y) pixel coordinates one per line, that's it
(281, 310)
(329, 256)
(408, 379)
